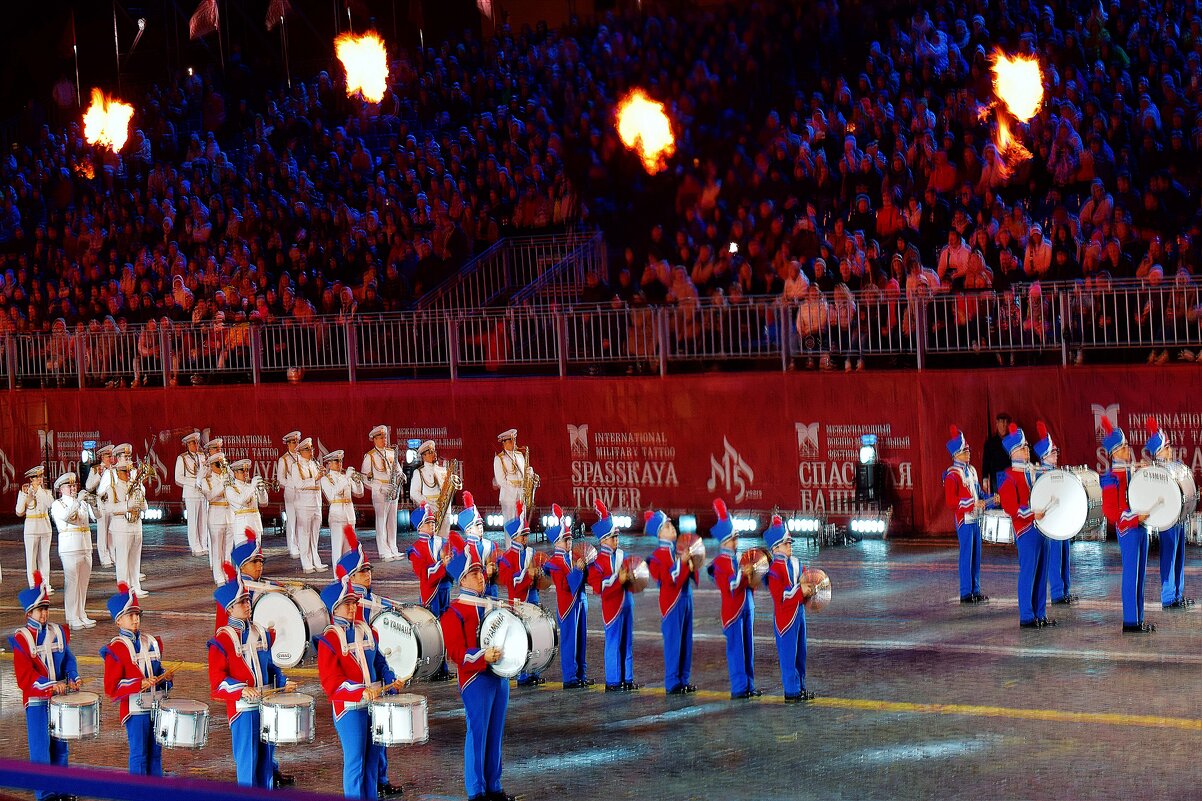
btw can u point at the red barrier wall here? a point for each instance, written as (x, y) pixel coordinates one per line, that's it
(759, 440)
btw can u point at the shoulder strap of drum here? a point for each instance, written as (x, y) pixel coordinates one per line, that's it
(339, 635)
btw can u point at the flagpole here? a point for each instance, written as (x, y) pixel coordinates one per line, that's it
(75, 50)
(284, 42)
(116, 47)
(220, 45)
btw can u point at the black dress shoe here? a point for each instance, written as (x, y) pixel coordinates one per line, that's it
(279, 779)
(1046, 622)
(538, 681)
(571, 685)
(529, 681)
(980, 597)
(1030, 624)
(1065, 601)
(615, 688)
(1138, 628)
(481, 797)
(804, 695)
(587, 682)
(498, 796)
(389, 790)
(675, 691)
(689, 688)
(630, 686)
(968, 599)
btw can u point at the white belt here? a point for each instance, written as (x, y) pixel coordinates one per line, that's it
(37, 702)
(139, 707)
(349, 705)
(247, 512)
(309, 489)
(246, 706)
(340, 500)
(219, 503)
(79, 529)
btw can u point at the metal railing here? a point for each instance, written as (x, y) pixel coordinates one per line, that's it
(1054, 323)
(507, 267)
(564, 280)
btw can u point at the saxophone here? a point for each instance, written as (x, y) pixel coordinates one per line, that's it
(396, 476)
(136, 497)
(445, 491)
(529, 485)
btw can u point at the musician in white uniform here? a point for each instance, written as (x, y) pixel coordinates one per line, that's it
(378, 466)
(284, 467)
(508, 468)
(340, 491)
(124, 502)
(95, 479)
(218, 515)
(33, 504)
(306, 484)
(426, 485)
(73, 516)
(244, 496)
(189, 466)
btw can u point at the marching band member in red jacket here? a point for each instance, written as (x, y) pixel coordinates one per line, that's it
(962, 494)
(1015, 496)
(676, 578)
(485, 694)
(1128, 524)
(607, 576)
(568, 574)
(517, 572)
(737, 606)
(429, 556)
(789, 594)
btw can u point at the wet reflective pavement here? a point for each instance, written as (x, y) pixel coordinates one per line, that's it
(918, 696)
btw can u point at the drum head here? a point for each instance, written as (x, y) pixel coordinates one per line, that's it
(276, 610)
(289, 700)
(1154, 491)
(398, 643)
(82, 698)
(502, 629)
(184, 705)
(1066, 518)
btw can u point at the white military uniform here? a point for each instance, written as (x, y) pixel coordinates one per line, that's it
(97, 484)
(127, 535)
(72, 517)
(189, 467)
(35, 508)
(285, 466)
(507, 470)
(340, 493)
(377, 466)
(305, 482)
(426, 486)
(244, 498)
(220, 520)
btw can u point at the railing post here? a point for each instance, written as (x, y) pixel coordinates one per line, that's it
(919, 321)
(256, 354)
(80, 371)
(561, 331)
(1062, 310)
(352, 356)
(10, 360)
(165, 355)
(453, 346)
(661, 318)
(782, 334)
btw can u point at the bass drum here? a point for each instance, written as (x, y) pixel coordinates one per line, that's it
(1072, 497)
(502, 629)
(398, 643)
(297, 616)
(1166, 492)
(542, 632)
(431, 652)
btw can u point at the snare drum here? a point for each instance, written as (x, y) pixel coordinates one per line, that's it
(996, 527)
(1165, 492)
(399, 720)
(542, 634)
(181, 723)
(75, 716)
(287, 719)
(1077, 492)
(297, 616)
(411, 641)
(502, 629)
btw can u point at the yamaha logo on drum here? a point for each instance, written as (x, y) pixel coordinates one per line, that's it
(396, 623)
(494, 628)
(283, 656)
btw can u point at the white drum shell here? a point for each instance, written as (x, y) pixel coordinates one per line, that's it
(996, 527)
(1167, 490)
(431, 651)
(398, 643)
(181, 724)
(75, 716)
(297, 616)
(287, 719)
(542, 631)
(400, 720)
(1078, 496)
(502, 629)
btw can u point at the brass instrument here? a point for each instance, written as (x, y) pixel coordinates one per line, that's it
(529, 485)
(445, 491)
(396, 476)
(356, 478)
(144, 471)
(89, 497)
(227, 475)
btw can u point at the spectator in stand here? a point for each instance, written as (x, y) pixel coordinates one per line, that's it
(1037, 259)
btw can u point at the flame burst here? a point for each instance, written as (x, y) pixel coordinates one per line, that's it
(1018, 84)
(106, 122)
(645, 128)
(365, 60)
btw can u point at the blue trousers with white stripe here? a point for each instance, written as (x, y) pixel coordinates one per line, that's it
(969, 535)
(360, 756)
(740, 651)
(573, 641)
(1032, 575)
(791, 651)
(485, 701)
(254, 759)
(1133, 547)
(531, 598)
(619, 645)
(677, 628)
(1058, 568)
(43, 749)
(1172, 565)
(145, 754)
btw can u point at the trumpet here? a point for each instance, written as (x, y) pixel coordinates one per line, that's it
(356, 478)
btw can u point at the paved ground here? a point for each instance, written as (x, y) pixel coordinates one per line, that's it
(918, 697)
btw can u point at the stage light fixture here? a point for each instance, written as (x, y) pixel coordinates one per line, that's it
(868, 449)
(803, 525)
(744, 524)
(687, 524)
(869, 526)
(623, 520)
(493, 520)
(411, 447)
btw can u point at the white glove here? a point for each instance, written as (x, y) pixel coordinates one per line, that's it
(457, 482)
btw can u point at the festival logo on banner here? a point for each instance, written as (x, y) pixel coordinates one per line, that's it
(618, 467)
(261, 449)
(731, 475)
(442, 440)
(61, 451)
(8, 473)
(826, 464)
(1184, 432)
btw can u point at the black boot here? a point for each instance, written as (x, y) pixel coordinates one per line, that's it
(389, 790)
